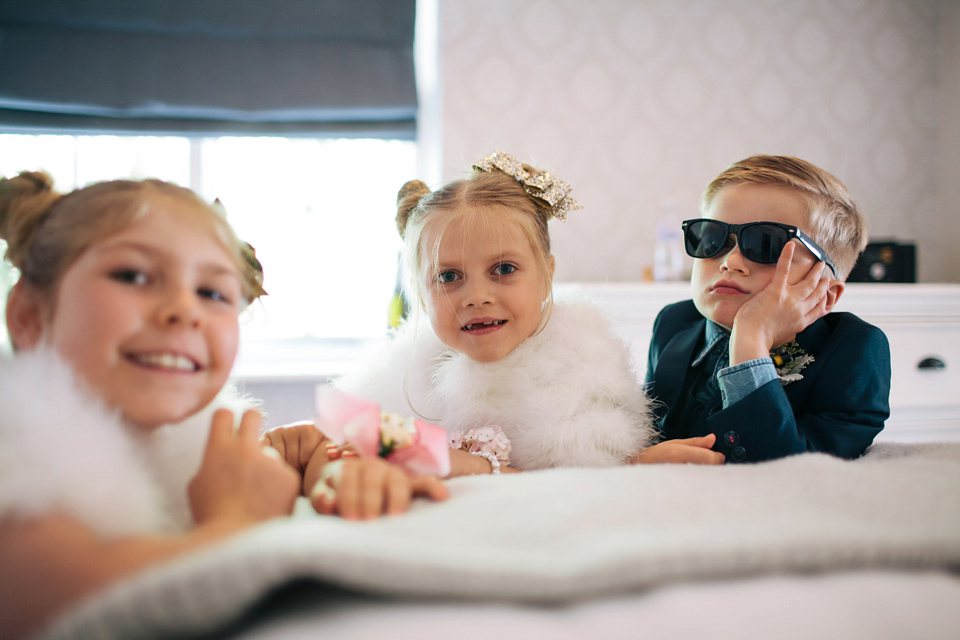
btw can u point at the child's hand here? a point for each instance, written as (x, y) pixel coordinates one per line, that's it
(238, 480)
(686, 451)
(296, 443)
(778, 312)
(363, 488)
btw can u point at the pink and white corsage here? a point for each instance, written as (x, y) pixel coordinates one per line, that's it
(416, 445)
(487, 442)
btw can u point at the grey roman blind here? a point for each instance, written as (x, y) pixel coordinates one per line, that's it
(209, 67)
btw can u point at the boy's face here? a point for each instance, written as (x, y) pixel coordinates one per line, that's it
(484, 295)
(148, 316)
(723, 283)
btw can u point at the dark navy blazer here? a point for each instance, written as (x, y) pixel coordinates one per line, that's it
(838, 407)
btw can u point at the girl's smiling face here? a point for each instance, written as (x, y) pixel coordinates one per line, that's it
(485, 286)
(148, 316)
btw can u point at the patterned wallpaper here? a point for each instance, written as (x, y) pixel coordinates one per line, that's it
(639, 103)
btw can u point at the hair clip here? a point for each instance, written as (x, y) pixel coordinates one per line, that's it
(542, 186)
(254, 267)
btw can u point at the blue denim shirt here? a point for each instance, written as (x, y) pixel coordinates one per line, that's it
(738, 381)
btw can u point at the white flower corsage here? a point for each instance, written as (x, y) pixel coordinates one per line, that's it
(790, 360)
(484, 441)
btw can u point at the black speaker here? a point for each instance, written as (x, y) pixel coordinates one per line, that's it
(886, 262)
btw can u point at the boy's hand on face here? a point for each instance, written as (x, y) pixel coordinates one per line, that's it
(778, 312)
(238, 480)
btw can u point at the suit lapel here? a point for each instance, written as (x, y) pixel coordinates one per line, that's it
(674, 362)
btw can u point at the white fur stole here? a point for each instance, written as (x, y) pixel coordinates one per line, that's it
(62, 450)
(567, 396)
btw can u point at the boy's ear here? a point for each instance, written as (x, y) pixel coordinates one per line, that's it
(834, 291)
(25, 316)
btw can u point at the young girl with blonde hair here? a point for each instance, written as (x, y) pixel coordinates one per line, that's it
(117, 441)
(519, 380)
(498, 349)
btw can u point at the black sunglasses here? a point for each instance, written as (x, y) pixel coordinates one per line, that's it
(760, 242)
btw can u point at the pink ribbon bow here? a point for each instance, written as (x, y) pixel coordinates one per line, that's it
(416, 445)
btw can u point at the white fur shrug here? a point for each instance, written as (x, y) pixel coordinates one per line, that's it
(62, 450)
(567, 396)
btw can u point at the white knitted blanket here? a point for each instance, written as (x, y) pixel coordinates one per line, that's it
(566, 535)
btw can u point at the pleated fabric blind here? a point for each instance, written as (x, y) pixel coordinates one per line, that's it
(209, 67)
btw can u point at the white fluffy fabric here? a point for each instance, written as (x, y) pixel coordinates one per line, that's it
(64, 451)
(563, 536)
(567, 396)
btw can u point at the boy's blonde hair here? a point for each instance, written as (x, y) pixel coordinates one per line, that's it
(47, 231)
(835, 222)
(492, 198)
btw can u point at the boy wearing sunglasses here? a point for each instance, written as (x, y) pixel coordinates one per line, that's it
(756, 366)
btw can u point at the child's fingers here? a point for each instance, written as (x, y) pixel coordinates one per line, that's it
(782, 273)
(250, 423)
(324, 495)
(816, 276)
(702, 452)
(270, 452)
(301, 440)
(819, 292)
(398, 492)
(816, 299)
(347, 484)
(706, 441)
(372, 494)
(274, 440)
(221, 428)
(323, 498)
(706, 456)
(431, 487)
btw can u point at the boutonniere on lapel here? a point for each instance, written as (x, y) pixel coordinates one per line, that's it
(790, 360)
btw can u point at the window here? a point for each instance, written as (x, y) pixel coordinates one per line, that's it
(318, 210)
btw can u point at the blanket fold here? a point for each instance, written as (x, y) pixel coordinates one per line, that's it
(566, 535)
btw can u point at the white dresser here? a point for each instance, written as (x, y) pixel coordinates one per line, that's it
(922, 322)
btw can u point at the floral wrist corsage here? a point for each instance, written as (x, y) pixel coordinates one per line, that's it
(488, 442)
(790, 360)
(416, 445)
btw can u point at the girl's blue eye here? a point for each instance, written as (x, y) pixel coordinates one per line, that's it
(504, 269)
(213, 294)
(446, 277)
(130, 276)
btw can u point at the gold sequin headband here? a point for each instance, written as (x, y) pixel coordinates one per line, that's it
(543, 187)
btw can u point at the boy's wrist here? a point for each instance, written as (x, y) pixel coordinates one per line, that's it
(746, 344)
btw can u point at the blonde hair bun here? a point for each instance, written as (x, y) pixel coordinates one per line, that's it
(25, 202)
(407, 199)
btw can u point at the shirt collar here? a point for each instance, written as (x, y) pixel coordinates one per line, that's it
(713, 334)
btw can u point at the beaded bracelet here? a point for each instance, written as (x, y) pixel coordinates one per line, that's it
(494, 462)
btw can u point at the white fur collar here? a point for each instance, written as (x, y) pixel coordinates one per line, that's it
(61, 449)
(567, 396)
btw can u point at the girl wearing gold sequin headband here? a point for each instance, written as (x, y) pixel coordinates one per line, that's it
(518, 380)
